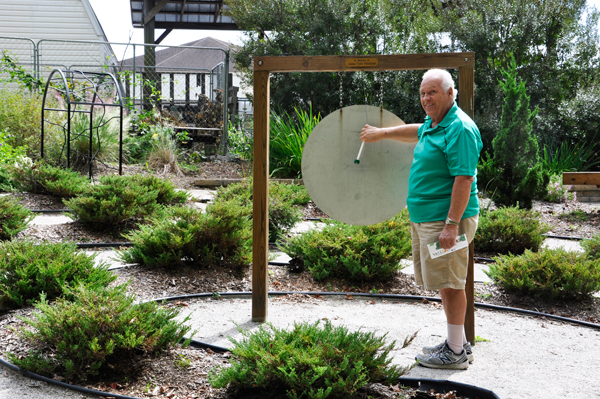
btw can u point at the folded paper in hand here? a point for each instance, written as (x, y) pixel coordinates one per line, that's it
(436, 251)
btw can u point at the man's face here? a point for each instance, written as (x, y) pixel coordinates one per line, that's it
(434, 100)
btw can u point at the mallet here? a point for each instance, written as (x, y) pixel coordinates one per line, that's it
(357, 160)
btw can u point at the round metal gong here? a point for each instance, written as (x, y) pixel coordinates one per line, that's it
(366, 193)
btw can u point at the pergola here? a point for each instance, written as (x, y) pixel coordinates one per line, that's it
(263, 67)
(178, 14)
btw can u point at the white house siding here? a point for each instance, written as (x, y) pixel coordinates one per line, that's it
(50, 20)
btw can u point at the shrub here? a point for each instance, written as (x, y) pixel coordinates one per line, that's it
(548, 274)
(104, 140)
(113, 201)
(99, 329)
(8, 152)
(20, 112)
(592, 247)
(28, 269)
(311, 361)
(184, 235)
(515, 173)
(284, 199)
(13, 218)
(43, 178)
(240, 142)
(509, 230)
(137, 146)
(163, 154)
(288, 137)
(167, 192)
(557, 192)
(358, 253)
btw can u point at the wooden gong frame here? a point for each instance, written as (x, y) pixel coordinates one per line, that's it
(263, 66)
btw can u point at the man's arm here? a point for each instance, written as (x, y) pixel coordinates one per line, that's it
(461, 192)
(404, 133)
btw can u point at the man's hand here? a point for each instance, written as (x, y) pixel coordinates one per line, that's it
(371, 134)
(448, 236)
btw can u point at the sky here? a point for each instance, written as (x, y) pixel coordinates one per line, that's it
(115, 17)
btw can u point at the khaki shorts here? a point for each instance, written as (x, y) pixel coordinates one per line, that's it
(448, 271)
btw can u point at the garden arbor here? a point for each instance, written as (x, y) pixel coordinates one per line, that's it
(263, 66)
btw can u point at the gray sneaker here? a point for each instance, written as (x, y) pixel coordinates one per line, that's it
(445, 358)
(467, 347)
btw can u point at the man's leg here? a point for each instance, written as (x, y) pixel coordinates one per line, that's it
(455, 306)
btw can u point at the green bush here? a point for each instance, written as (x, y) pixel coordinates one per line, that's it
(311, 361)
(357, 253)
(167, 192)
(284, 200)
(13, 218)
(20, 113)
(114, 201)
(592, 247)
(97, 330)
(509, 230)
(27, 269)
(137, 146)
(184, 235)
(548, 274)
(43, 178)
(104, 140)
(557, 192)
(288, 137)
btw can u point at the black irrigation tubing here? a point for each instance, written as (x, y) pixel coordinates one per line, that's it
(385, 296)
(564, 237)
(50, 210)
(104, 244)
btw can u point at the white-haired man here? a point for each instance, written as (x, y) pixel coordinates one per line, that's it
(442, 203)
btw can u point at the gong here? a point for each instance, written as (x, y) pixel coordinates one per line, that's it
(363, 193)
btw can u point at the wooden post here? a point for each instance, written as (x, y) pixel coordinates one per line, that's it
(466, 94)
(260, 213)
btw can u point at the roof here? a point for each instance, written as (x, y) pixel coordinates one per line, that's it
(182, 58)
(186, 14)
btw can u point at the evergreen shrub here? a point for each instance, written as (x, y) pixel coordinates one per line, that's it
(311, 360)
(356, 253)
(592, 247)
(548, 274)
(114, 201)
(185, 235)
(515, 172)
(41, 177)
(97, 330)
(509, 230)
(28, 269)
(13, 218)
(284, 204)
(167, 192)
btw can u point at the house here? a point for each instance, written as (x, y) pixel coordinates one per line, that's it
(186, 73)
(32, 31)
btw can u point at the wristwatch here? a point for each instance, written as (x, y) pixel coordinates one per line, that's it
(452, 222)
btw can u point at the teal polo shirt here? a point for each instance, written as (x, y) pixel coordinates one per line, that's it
(448, 150)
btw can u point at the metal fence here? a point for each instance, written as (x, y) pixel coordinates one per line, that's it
(190, 86)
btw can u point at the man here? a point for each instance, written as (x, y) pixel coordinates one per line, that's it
(442, 203)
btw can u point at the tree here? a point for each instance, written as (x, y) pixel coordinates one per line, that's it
(555, 49)
(515, 172)
(335, 27)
